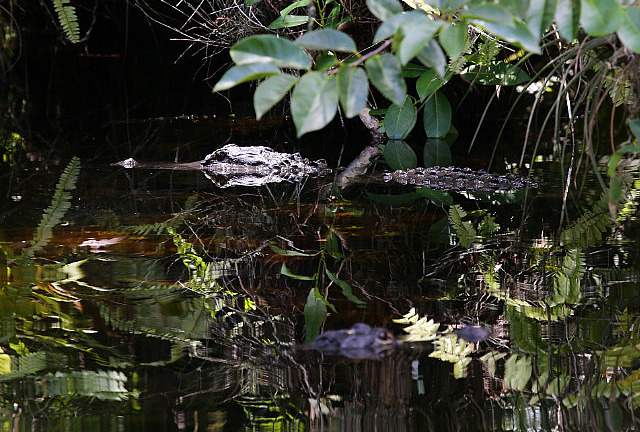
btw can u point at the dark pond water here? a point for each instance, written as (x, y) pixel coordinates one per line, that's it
(135, 300)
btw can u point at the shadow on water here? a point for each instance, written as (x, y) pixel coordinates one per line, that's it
(132, 300)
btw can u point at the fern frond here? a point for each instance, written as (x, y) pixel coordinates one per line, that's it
(465, 230)
(68, 19)
(589, 228)
(60, 203)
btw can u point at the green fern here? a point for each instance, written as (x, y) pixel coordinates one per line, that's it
(68, 19)
(590, 227)
(465, 230)
(60, 203)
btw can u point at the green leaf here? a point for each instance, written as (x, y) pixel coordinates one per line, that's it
(634, 125)
(295, 5)
(629, 31)
(540, 15)
(289, 21)
(270, 49)
(240, 74)
(327, 39)
(284, 270)
(353, 89)
(515, 32)
(384, 72)
(400, 119)
(436, 153)
(390, 27)
(314, 102)
(413, 70)
(326, 61)
(331, 246)
(496, 74)
(252, 2)
(431, 55)
(429, 82)
(384, 9)
(487, 13)
(437, 196)
(271, 91)
(417, 31)
(568, 18)
(315, 312)
(437, 115)
(399, 156)
(517, 371)
(346, 289)
(283, 252)
(600, 17)
(453, 39)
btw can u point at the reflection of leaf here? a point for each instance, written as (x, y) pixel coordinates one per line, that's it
(283, 252)
(346, 288)
(399, 155)
(315, 311)
(285, 271)
(517, 371)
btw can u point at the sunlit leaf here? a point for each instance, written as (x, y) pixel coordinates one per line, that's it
(353, 89)
(315, 312)
(568, 18)
(271, 91)
(399, 155)
(453, 39)
(240, 74)
(269, 49)
(496, 74)
(515, 32)
(390, 27)
(540, 15)
(284, 270)
(431, 55)
(400, 119)
(314, 102)
(326, 39)
(517, 371)
(600, 17)
(436, 153)
(5, 363)
(629, 31)
(346, 289)
(488, 12)
(437, 115)
(417, 32)
(385, 74)
(429, 82)
(384, 9)
(288, 21)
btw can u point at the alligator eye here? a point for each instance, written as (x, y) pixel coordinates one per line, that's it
(220, 156)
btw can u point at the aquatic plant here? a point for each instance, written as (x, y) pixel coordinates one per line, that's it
(68, 19)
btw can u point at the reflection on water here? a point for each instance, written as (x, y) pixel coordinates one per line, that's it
(189, 311)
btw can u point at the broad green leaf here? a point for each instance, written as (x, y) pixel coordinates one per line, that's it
(437, 115)
(346, 289)
(326, 39)
(283, 252)
(568, 18)
(331, 246)
(431, 55)
(540, 15)
(295, 5)
(496, 74)
(394, 200)
(390, 27)
(284, 270)
(239, 74)
(517, 371)
(629, 31)
(277, 51)
(600, 17)
(453, 39)
(384, 73)
(353, 89)
(437, 196)
(315, 312)
(515, 32)
(400, 119)
(326, 61)
(634, 125)
(399, 156)
(417, 31)
(271, 91)
(314, 102)
(430, 82)
(5, 363)
(289, 21)
(252, 2)
(436, 153)
(384, 9)
(488, 13)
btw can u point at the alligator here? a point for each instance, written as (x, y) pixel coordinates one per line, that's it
(459, 179)
(233, 165)
(362, 341)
